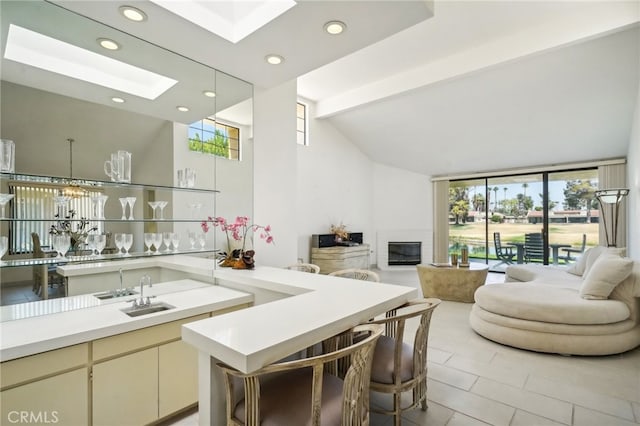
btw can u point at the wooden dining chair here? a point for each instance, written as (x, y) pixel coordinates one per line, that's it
(357, 274)
(44, 274)
(305, 267)
(305, 391)
(399, 366)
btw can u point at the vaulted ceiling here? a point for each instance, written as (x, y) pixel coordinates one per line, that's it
(487, 86)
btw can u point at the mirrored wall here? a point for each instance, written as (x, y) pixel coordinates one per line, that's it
(42, 108)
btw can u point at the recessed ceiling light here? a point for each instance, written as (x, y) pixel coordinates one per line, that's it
(133, 13)
(335, 27)
(47, 53)
(182, 108)
(209, 93)
(108, 44)
(274, 59)
(117, 100)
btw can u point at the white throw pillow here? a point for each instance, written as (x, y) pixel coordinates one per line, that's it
(602, 251)
(580, 265)
(607, 272)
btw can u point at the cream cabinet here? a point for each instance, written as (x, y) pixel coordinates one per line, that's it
(136, 375)
(47, 388)
(133, 378)
(125, 389)
(177, 377)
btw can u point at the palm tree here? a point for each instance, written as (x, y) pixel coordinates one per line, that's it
(505, 196)
(495, 192)
(524, 188)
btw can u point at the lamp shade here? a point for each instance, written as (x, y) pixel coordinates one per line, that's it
(610, 199)
(611, 196)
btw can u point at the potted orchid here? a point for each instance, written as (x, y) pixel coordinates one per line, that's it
(239, 258)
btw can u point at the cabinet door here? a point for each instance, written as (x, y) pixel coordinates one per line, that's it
(60, 399)
(125, 389)
(178, 377)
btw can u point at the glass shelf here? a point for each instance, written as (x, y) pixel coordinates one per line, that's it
(149, 220)
(88, 184)
(97, 258)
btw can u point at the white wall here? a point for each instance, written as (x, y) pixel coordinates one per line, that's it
(633, 180)
(402, 203)
(275, 174)
(334, 185)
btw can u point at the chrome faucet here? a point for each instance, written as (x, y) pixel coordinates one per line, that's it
(142, 302)
(121, 289)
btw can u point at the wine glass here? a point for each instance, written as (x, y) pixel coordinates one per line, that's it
(192, 239)
(123, 203)
(119, 240)
(166, 238)
(148, 241)
(101, 242)
(91, 243)
(157, 241)
(175, 240)
(131, 201)
(202, 240)
(162, 205)
(4, 199)
(62, 243)
(154, 205)
(127, 242)
(4, 246)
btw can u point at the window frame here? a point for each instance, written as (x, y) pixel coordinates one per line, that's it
(225, 128)
(305, 120)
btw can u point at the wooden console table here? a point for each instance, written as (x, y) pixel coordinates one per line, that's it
(331, 259)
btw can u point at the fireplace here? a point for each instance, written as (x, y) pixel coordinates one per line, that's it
(404, 252)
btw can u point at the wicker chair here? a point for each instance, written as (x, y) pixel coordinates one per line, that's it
(305, 391)
(357, 274)
(398, 366)
(305, 267)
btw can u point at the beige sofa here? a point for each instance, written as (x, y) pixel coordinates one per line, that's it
(591, 308)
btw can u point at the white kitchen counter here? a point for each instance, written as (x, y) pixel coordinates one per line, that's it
(28, 336)
(319, 307)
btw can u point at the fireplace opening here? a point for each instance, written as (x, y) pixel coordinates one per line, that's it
(405, 253)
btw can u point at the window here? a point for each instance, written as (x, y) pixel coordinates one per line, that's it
(557, 205)
(302, 124)
(212, 137)
(32, 203)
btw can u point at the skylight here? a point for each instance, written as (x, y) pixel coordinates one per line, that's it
(233, 19)
(40, 51)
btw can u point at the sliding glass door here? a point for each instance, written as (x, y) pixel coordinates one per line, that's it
(530, 218)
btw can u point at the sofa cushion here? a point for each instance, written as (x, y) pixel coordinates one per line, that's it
(546, 274)
(548, 303)
(606, 273)
(580, 265)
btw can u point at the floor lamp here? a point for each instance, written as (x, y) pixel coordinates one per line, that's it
(610, 200)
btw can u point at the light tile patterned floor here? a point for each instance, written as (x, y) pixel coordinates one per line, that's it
(473, 381)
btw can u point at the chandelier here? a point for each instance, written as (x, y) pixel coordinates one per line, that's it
(73, 189)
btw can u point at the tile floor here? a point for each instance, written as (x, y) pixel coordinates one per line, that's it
(473, 381)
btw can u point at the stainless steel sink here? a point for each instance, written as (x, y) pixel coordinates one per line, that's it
(113, 295)
(146, 310)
